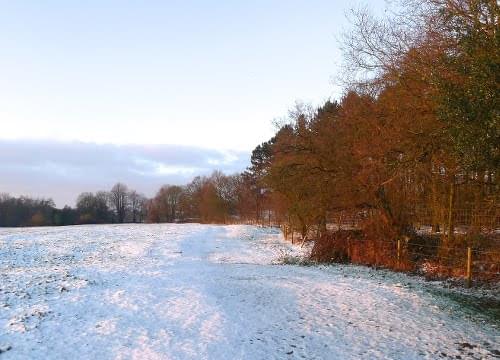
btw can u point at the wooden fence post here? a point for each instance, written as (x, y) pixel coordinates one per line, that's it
(469, 267)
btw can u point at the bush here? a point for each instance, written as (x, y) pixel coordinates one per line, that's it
(374, 244)
(335, 247)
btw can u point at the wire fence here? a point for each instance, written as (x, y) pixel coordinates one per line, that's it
(479, 220)
(482, 220)
(427, 255)
(472, 254)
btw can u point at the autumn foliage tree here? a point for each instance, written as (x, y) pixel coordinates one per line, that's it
(415, 136)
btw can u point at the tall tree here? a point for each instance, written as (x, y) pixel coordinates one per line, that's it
(137, 205)
(118, 198)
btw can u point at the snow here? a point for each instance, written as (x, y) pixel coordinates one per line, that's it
(215, 292)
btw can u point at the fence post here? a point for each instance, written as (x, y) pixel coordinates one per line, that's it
(469, 267)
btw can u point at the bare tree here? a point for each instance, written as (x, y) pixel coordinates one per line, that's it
(136, 203)
(167, 202)
(118, 198)
(93, 208)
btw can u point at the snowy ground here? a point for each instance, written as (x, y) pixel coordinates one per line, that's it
(215, 292)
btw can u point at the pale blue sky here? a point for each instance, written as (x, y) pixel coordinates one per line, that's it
(210, 74)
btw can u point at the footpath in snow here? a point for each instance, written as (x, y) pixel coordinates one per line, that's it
(215, 292)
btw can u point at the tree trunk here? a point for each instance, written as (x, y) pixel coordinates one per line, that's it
(435, 207)
(451, 200)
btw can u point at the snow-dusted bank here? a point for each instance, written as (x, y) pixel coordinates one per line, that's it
(214, 292)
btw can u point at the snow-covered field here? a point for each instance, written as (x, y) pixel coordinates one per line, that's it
(214, 292)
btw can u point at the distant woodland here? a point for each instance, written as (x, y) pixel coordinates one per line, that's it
(413, 142)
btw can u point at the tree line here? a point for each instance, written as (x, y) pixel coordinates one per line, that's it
(416, 135)
(218, 198)
(118, 205)
(413, 141)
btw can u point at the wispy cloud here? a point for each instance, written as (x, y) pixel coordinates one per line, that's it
(61, 170)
